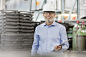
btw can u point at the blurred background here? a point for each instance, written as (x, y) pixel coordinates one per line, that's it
(19, 18)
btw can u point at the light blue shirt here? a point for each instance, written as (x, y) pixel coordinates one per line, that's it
(47, 37)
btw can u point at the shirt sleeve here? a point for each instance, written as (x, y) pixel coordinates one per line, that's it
(35, 43)
(63, 38)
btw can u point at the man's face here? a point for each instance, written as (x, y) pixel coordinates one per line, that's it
(49, 16)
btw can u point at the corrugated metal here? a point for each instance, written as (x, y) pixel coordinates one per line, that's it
(16, 30)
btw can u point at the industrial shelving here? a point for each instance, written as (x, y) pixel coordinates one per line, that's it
(62, 11)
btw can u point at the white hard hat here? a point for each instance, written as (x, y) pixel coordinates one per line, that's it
(48, 7)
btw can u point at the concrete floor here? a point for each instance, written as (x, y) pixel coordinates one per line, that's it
(27, 54)
(14, 54)
(75, 54)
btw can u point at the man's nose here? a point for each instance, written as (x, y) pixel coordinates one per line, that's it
(48, 13)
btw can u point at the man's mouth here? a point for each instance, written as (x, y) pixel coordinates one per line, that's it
(48, 17)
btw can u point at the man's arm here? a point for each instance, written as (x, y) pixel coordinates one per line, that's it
(63, 38)
(35, 43)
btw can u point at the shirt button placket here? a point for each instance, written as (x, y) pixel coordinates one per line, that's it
(48, 39)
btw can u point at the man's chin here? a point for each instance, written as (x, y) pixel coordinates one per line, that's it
(49, 19)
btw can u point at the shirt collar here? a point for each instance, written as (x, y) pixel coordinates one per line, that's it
(53, 24)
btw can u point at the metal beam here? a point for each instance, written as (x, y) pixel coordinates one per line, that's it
(44, 3)
(71, 10)
(56, 4)
(37, 17)
(63, 10)
(30, 3)
(78, 9)
(35, 5)
(2, 4)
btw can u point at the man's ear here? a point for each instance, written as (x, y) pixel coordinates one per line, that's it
(54, 14)
(43, 14)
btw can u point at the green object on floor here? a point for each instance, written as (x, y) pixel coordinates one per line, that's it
(75, 29)
(81, 36)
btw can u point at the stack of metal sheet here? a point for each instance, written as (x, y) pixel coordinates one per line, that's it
(0, 25)
(18, 30)
(16, 41)
(10, 22)
(26, 23)
(0, 20)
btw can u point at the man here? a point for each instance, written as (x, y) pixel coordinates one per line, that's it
(49, 35)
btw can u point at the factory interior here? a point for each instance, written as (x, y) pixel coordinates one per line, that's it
(19, 18)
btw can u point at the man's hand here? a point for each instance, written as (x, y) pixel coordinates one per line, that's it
(57, 48)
